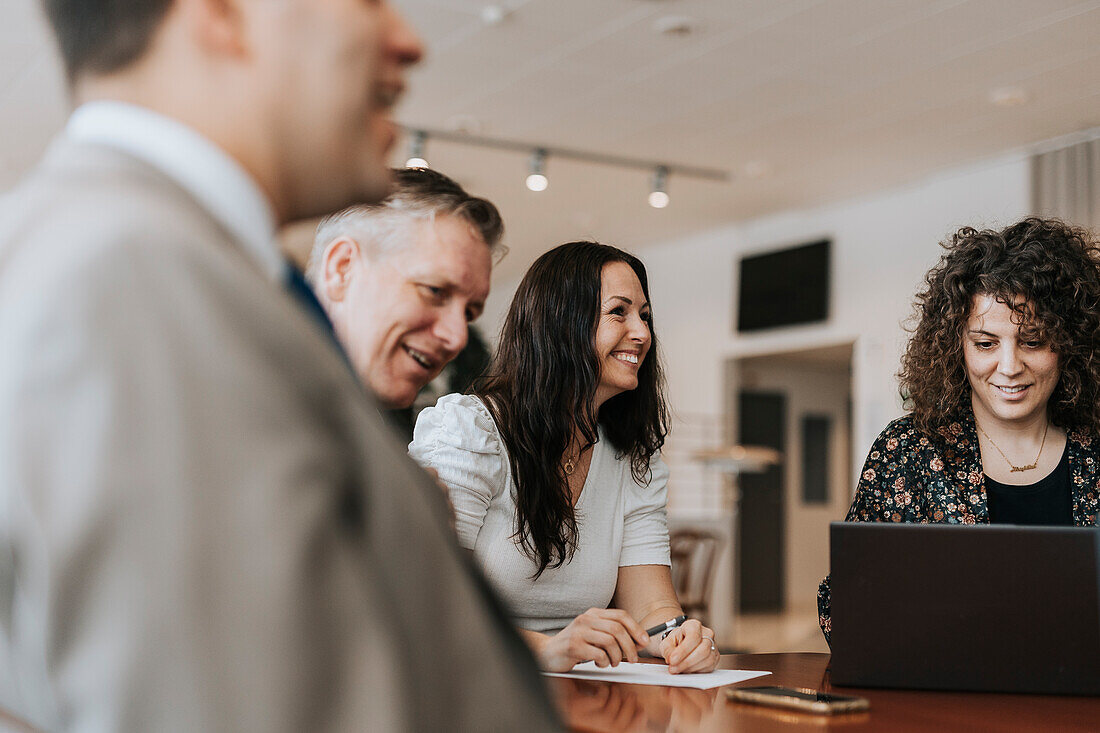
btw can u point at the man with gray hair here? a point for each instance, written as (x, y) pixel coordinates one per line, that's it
(402, 279)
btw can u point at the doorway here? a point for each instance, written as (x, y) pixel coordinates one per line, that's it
(762, 421)
(800, 404)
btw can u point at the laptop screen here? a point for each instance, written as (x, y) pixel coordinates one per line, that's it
(995, 608)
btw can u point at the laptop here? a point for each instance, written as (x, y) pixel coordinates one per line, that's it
(999, 608)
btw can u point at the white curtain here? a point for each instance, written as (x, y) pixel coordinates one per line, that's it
(1066, 183)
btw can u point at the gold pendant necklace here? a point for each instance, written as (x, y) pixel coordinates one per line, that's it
(1014, 468)
(570, 464)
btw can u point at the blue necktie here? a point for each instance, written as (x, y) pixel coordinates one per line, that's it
(297, 286)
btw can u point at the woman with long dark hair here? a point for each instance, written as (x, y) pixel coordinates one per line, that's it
(553, 466)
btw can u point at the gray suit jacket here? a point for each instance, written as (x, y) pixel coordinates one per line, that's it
(204, 523)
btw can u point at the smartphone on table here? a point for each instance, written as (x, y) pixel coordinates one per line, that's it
(809, 701)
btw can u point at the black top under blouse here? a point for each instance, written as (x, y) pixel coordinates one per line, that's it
(915, 476)
(1047, 501)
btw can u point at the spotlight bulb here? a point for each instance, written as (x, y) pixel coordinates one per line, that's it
(537, 182)
(417, 140)
(658, 199)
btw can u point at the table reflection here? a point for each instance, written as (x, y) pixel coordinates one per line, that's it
(604, 706)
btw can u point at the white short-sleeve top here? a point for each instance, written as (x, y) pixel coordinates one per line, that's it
(619, 522)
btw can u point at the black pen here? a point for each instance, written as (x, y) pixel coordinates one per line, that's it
(666, 626)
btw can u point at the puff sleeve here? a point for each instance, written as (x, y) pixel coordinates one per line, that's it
(459, 440)
(645, 522)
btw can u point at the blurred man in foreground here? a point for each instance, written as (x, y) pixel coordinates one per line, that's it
(205, 525)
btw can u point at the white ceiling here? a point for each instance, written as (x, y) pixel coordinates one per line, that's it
(802, 101)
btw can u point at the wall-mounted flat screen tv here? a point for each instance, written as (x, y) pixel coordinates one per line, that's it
(784, 288)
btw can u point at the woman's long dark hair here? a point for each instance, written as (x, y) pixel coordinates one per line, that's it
(541, 387)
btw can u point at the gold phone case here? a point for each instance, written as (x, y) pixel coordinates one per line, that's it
(819, 707)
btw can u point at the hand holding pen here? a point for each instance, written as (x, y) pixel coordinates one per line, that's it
(690, 647)
(606, 636)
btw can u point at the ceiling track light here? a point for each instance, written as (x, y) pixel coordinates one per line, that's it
(537, 180)
(583, 156)
(417, 141)
(658, 196)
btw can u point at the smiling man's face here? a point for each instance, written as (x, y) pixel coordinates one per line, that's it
(402, 314)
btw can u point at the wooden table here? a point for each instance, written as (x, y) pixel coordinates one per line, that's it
(606, 706)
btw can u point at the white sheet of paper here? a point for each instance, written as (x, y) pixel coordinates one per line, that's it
(657, 674)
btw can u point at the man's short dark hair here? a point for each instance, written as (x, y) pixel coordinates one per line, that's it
(101, 36)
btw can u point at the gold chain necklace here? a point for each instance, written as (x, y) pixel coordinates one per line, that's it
(1014, 468)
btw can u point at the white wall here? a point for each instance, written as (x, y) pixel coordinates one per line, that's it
(882, 246)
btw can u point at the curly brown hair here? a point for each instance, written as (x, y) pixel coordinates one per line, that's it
(1055, 267)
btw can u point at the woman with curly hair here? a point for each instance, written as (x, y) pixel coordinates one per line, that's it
(1002, 380)
(553, 467)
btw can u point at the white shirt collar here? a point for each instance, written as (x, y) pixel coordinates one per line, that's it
(209, 174)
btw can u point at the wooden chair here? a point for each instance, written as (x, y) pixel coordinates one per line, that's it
(694, 555)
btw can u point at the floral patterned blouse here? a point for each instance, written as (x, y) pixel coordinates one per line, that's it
(911, 476)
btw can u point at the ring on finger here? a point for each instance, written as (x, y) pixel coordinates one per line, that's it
(710, 639)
